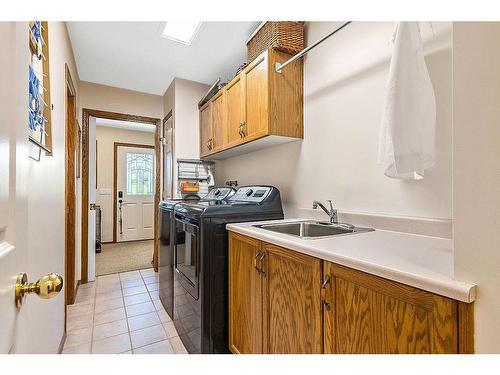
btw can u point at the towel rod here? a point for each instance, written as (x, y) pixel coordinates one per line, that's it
(279, 66)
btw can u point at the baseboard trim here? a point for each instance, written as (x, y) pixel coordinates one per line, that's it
(61, 344)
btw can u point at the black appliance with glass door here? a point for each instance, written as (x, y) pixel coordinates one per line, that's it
(201, 263)
(166, 254)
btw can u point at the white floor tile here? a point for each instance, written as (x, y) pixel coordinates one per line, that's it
(110, 304)
(109, 316)
(134, 290)
(106, 330)
(77, 349)
(139, 309)
(136, 298)
(112, 345)
(143, 321)
(78, 337)
(147, 336)
(161, 347)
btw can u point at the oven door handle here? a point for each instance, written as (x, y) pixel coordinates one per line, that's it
(188, 226)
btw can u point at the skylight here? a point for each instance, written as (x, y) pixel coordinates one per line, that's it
(181, 31)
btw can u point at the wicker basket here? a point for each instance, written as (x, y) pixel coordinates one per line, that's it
(286, 36)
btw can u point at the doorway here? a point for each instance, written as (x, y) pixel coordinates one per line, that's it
(72, 164)
(88, 244)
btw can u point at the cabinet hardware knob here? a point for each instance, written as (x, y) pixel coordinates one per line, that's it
(326, 281)
(46, 287)
(326, 305)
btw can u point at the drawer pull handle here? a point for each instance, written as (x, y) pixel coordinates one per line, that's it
(326, 281)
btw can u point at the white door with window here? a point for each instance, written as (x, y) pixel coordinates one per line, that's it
(135, 184)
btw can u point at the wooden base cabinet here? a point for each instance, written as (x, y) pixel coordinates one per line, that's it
(368, 314)
(282, 301)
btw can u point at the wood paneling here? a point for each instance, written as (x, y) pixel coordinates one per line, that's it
(86, 114)
(234, 109)
(205, 129)
(370, 314)
(245, 296)
(218, 121)
(256, 99)
(292, 302)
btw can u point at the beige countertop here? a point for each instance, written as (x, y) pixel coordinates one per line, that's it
(420, 261)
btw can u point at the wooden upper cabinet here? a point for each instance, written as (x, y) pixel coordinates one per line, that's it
(293, 321)
(234, 109)
(245, 296)
(256, 122)
(260, 102)
(218, 121)
(205, 130)
(368, 314)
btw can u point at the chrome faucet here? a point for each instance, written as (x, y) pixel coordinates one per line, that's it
(332, 212)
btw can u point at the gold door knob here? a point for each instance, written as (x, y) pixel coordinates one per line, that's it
(46, 287)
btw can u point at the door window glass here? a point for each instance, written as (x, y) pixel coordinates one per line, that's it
(140, 174)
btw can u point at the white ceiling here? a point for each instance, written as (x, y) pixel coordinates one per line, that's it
(127, 125)
(134, 56)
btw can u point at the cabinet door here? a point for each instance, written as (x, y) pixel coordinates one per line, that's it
(218, 120)
(256, 98)
(205, 129)
(235, 110)
(368, 314)
(293, 321)
(245, 296)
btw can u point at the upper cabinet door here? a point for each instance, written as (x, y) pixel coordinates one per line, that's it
(218, 120)
(235, 110)
(245, 295)
(205, 130)
(293, 319)
(256, 98)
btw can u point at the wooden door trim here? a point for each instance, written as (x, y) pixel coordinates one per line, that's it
(86, 114)
(169, 115)
(115, 176)
(71, 136)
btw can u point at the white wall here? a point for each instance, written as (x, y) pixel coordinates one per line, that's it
(106, 137)
(476, 171)
(344, 81)
(183, 96)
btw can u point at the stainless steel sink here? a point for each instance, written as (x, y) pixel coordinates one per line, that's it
(313, 229)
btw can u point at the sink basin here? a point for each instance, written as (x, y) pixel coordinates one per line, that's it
(313, 229)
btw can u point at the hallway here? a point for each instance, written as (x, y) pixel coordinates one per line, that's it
(121, 313)
(123, 257)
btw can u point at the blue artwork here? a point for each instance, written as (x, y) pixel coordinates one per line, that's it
(35, 115)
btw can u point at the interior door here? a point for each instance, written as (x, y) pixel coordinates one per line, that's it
(92, 197)
(135, 189)
(168, 158)
(13, 176)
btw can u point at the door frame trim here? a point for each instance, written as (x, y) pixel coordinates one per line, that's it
(170, 115)
(86, 114)
(71, 136)
(115, 177)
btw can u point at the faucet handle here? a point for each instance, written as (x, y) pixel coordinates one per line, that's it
(331, 204)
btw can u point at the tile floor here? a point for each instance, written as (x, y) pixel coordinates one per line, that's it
(121, 313)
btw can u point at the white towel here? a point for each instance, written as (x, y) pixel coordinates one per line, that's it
(407, 135)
